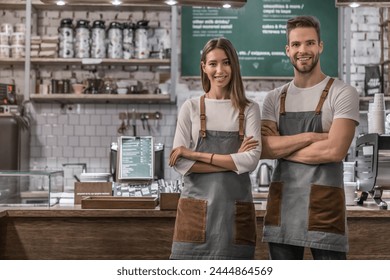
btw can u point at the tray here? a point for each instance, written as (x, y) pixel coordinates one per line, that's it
(114, 202)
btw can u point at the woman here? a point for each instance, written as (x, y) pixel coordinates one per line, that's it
(216, 216)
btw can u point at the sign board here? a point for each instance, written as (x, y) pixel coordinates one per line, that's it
(257, 31)
(136, 158)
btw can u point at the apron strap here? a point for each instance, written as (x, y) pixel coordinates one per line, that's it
(241, 117)
(282, 110)
(202, 131)
(323, 96)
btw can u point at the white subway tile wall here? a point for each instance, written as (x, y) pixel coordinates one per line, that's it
(83, 133)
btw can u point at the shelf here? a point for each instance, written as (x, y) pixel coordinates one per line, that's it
(100, 98)
(12, 61)
(11, 5)
(34, 64)
(88, 61)
(103, 61)
(371, 98)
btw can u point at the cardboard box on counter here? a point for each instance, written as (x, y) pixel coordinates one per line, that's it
(88, 189)
(169, 201)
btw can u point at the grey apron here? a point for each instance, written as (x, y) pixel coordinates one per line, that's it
(216, 216)
(306, 203)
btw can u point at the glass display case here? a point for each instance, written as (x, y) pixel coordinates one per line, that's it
(30, 188)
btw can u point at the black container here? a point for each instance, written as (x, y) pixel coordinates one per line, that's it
(66, 86)
(54, 86)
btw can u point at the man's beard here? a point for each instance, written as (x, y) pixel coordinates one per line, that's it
(306, 68)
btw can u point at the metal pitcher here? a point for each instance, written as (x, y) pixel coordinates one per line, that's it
(264, 174)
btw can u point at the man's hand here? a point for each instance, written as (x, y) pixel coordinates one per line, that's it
(269, 128)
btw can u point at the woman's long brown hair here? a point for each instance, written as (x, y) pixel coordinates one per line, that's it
(236, 86)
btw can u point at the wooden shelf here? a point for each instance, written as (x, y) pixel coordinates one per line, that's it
(100, 98)
(11, 5)
(103, 61)
(78, 61)
(370, 98)
(12, 61)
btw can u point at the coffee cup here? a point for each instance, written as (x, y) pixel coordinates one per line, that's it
(78, 88)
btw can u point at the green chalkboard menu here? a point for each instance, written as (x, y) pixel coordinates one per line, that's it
(136, 158)
(257, 31)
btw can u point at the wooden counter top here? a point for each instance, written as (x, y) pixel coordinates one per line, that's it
(69, 232)
(369, 209)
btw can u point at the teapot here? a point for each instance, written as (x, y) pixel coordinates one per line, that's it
(264, 174)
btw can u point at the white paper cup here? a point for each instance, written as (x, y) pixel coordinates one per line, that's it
(376, 121)
(379, 101)
(350, 193)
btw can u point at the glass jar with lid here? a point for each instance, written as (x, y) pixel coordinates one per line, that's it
(128, 40)
(82, 39)
(141, 40)
(98, 39)
(65, 33)
(115, 40)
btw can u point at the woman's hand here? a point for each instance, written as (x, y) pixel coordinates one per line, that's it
(178, 152)
(248, 144)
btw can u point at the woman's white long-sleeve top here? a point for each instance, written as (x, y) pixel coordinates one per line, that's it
(220, 116)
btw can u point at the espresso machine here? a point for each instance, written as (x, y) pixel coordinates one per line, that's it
(158, 160)
(372, 168)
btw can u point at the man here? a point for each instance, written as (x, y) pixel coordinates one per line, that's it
(308, 126)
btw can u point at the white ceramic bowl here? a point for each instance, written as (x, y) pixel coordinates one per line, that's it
(122, 90)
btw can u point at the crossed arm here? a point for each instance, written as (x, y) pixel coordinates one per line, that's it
(207, 162)
(308, 147)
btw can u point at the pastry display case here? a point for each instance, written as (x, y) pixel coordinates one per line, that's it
(30, 188)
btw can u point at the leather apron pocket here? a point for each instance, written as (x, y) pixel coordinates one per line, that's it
(327, 209)
(273, 211)
(245, 223)
(190, 223)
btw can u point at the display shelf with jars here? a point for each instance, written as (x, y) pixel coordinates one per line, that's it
(95, 61)
(49, 50)
(101, 98)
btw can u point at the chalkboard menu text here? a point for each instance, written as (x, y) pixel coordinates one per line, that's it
(136, 158)
(257, 31)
